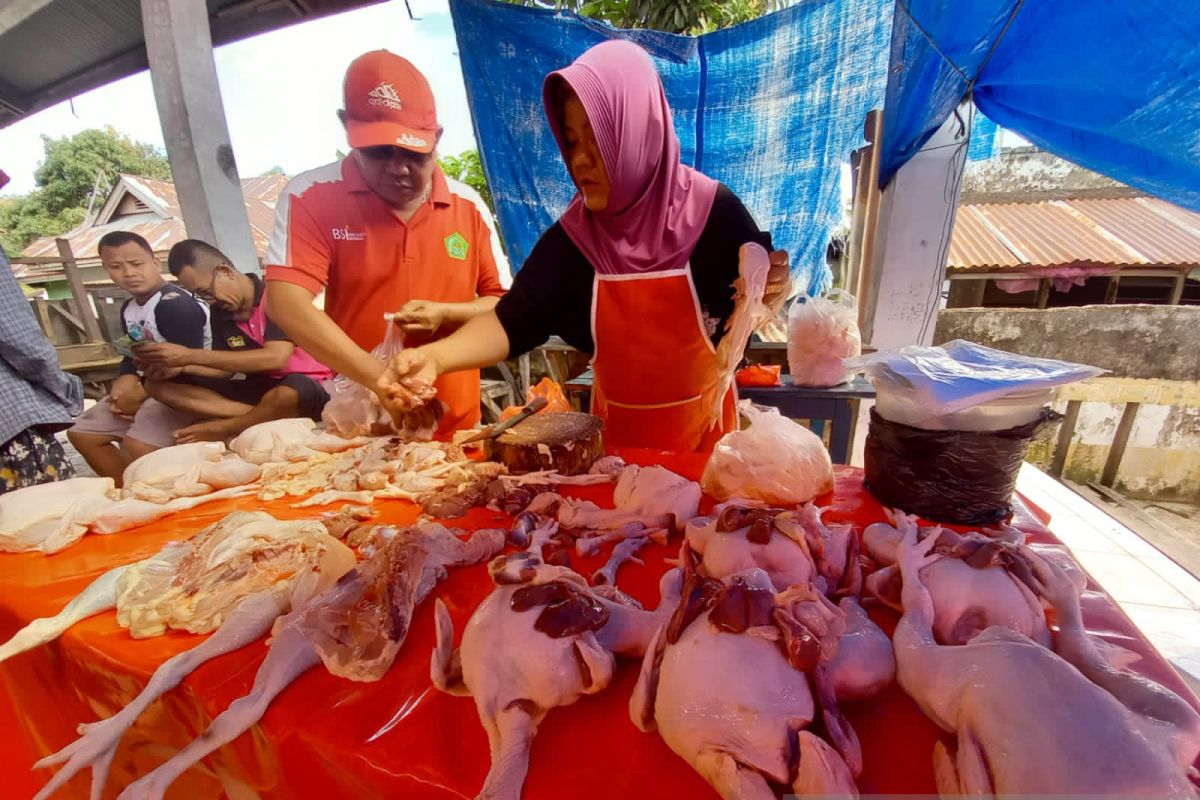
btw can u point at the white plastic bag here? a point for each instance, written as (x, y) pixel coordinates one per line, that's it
(774, 460)
(821, 332)
(933, 382)
(353, 409)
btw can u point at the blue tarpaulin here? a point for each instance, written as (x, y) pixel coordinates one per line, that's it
(1112, 85)
(771, 107)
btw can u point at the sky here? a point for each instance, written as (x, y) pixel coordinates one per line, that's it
(281, 92)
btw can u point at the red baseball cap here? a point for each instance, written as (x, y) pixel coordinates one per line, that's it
(389, 102)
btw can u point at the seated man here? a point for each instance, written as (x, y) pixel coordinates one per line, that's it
(253, 373)
(127, 424)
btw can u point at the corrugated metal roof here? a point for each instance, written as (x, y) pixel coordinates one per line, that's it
(1127, 232)
(261, 194)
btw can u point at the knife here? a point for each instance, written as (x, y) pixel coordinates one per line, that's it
(492, 431)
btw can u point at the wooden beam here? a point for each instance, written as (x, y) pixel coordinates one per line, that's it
(1117, 451)
(78, 291)
(1065, 433)
(869, 169)
(42, 309)
(1042, 298)
(1110, 293)
(1177, 289)
(70, 318)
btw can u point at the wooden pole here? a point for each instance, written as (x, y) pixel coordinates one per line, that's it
(1120, 440)
(1177, 289)
(78, 291)
(1065, 433)
(870, 210)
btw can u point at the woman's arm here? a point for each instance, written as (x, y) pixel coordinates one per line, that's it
(479, 343)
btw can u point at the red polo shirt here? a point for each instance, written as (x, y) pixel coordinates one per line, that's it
(333, 234)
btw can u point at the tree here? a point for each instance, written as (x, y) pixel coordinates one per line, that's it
(692, 17)
(72, 168)
(275, 170)
(467, 168)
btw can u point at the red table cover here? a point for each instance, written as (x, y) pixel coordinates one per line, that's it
(326, 737)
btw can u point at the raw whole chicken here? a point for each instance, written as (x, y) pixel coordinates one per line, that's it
(656, 491)
(357, 624)
(967, 599)
(287, 440)
(194, 585)
(790, 546)
(543, 638)
(50, 516)
(1029, 720)
(733, 679)
(185, 470)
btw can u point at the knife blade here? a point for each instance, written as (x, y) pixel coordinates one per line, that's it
(492, 431)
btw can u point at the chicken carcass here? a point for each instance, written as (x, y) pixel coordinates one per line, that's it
(346, 621)
(967, 598)
(656, 491)
(185, 470)
(287, 440)
(727, 685)
(49, 517)
(1029, 720)
(790, 546)
(193, 585)
(543, 638)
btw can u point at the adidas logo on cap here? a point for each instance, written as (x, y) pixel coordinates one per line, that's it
(408, 140)
(384, 95)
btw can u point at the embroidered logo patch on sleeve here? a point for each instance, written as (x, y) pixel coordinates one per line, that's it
(457, 246)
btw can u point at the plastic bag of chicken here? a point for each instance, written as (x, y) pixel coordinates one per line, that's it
(556, 400)
(354, 410)
(774, 460)
(821, 332)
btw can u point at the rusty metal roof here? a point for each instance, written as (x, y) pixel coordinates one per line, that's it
(162, 226)
(1126, 232)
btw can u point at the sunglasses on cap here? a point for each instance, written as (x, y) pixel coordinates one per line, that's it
(388, 152)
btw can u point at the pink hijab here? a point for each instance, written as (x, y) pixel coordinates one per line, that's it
(658, 207)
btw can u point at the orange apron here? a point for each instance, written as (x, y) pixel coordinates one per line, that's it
(655, 369)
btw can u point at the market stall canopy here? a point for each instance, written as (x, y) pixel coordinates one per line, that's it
(1112, 86)
(772, 108)
(51, 50)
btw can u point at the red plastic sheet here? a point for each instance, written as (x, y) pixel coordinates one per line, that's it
(331, 738)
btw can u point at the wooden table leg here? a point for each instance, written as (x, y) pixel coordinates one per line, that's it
(839, 436)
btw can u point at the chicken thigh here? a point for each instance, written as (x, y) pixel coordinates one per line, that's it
(1033, 721)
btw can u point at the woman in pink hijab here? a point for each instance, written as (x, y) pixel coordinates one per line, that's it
(638, 271)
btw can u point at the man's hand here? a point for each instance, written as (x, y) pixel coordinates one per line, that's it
(421, 315)
(127, 395)
(779, 281)
(162, 354)
(407, 382)
(154, 372)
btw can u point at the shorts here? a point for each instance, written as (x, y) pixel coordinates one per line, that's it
(251, 390)
(154, 424)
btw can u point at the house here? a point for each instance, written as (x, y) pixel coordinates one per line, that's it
(147, 207)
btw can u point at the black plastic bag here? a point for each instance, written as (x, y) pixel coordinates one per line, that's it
(965, 477)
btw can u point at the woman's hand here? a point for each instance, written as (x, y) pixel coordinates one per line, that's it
(421, 315)
(407, 381)
(779, 281)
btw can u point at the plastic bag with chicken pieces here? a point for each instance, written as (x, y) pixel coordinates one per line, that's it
(774, 461)
(354, 410)
(821, 332)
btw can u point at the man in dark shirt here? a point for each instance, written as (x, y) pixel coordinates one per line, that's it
(253, 373)
(128, 423)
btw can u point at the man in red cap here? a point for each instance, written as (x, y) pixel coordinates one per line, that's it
(384, 231)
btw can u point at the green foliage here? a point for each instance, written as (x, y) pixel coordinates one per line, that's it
(275, 170)
(692, 17)
(467, 168)
(65, 180)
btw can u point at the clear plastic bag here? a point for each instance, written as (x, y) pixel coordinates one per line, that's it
(821, 332)
(934, 382)
(353, 409)
(774, 460)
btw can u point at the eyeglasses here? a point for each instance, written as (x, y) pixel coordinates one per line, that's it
(387, 152)
(206, 294)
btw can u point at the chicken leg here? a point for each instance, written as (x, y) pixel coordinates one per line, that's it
(290, 656)
(99, 596)
(98, 740)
